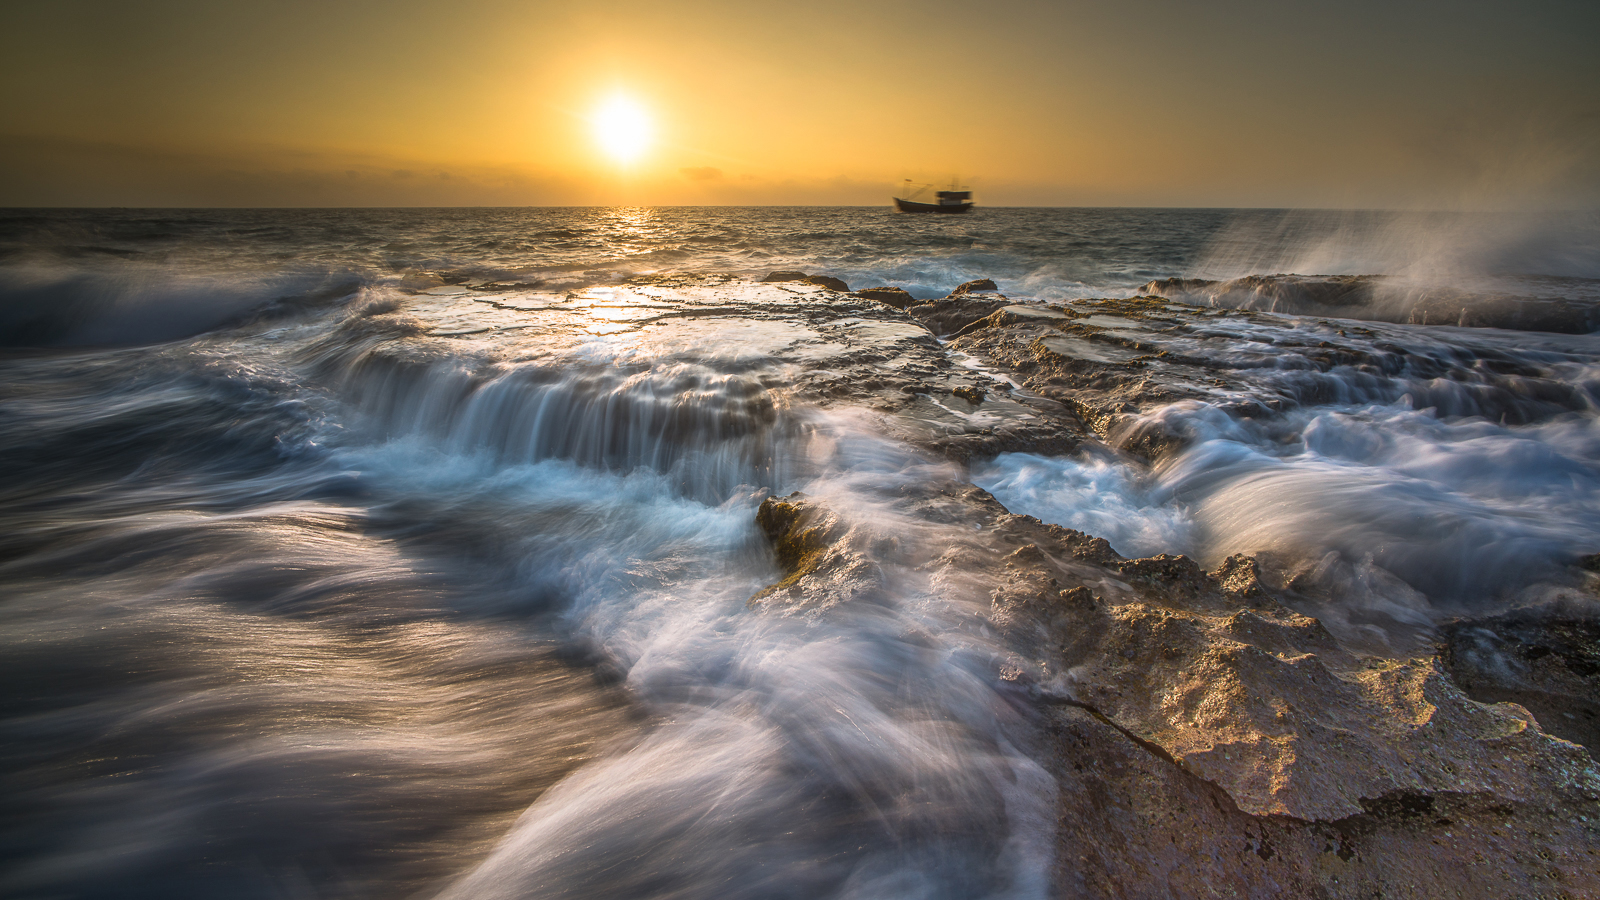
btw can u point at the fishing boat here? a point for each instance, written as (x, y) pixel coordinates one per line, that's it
(954, 200)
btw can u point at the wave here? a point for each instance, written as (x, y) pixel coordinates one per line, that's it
(709, 432)
(111, 306)
(1387, 299)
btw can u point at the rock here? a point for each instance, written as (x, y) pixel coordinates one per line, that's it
(1274, 293)
(1545, 658)
(826, 281)
(895, 297)
(1516, 313)
(1017, 314)
(1107, 378)
(1383, 299)
(817, 552)
(1206, 738)
(970, 393)
(952, 314)
(1256, 698)
(971, 287)
(829, 282)
(1131, 823)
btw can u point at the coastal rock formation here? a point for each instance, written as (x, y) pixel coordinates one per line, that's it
(1206, 733)
(825, 560)
(898, 298)
(978, 285)
(1206, 736)
(827, 281)
(952, 314)
(1383, 299)
(1112, 362)
(966, 304)
(1546, 658)
(779, 277)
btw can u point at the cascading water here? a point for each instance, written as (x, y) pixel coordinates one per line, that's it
(314, 536)
(444, 578)
(1411, 475)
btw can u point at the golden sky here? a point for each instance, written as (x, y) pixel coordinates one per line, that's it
(491, 102)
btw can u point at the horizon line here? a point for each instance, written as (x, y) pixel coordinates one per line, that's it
(889, 207)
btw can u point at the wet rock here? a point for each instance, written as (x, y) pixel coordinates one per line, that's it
(1206, 738)
(974, 286)
(1383, 299)
(1016, 314)
(829, 282)
(818, 554)
(950, 315)
(1516, 313)
(1240, 576)
(944, 421)
(1260, 700)
(1545, 658)
(1105, 379)
(1272, 293)
(1132, 823)
(826, 281)
(895, 297)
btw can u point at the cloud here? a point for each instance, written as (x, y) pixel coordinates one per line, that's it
(701, 173)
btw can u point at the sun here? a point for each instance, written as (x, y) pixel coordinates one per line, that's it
(622, 129)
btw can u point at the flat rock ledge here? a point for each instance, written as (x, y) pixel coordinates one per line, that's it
(1211, 741)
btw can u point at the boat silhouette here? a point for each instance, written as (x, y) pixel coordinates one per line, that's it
(955, 200)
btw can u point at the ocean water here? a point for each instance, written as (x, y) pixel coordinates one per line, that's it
(291, 610)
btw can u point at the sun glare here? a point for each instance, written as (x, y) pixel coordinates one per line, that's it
(622, 129)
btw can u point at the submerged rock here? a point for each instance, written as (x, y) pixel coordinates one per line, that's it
(1271, 293)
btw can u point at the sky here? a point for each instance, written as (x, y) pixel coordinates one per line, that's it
(1395, 104)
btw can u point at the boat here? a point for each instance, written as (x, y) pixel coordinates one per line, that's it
(954, 200)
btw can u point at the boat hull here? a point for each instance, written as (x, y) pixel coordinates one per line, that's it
(913, 206)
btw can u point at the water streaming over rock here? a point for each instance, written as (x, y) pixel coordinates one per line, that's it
(414, 552)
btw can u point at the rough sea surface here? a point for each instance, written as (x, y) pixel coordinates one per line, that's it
(377, 553)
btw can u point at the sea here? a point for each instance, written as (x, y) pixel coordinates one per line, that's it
(295, 605)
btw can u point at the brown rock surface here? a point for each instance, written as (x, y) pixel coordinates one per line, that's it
(898, 298)
(1210, 741)
(974, 286)
(826, 281)
(829, 282)
(821, 557)
(1383, 299)
(780, 277)
(1546, 658)
(953, 313)
(1110, 361)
